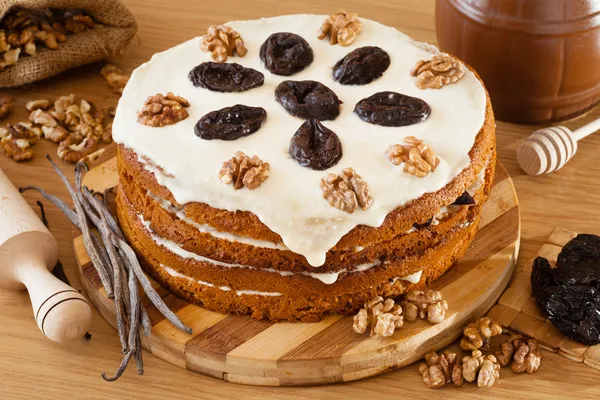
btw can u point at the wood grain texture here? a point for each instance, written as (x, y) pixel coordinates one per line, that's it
(242, 350)
(568, 198)
(518, 311)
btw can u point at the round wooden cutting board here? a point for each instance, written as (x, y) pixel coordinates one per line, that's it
(242, 350)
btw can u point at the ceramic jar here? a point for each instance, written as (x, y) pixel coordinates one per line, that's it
(540, 60)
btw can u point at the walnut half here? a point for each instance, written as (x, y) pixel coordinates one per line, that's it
(342, 28)
(346, 191)
(441, 369)
(17, 149)
(477, 334)
(221, 41)
(441, 70)
(5, 106)
(383, 317)
(160, 110)
(423, 305)
(419, 158)
(244, 171)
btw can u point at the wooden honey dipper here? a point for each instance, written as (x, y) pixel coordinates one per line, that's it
(549, 149)
(27, 251)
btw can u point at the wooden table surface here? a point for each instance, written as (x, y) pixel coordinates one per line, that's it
(34, 368)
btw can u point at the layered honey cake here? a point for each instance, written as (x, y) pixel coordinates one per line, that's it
(296, 166)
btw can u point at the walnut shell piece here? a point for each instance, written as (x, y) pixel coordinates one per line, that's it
(222, 41)
(342, 28)
(441, 70)
(242, 170)
(160, 110)
(346, 191)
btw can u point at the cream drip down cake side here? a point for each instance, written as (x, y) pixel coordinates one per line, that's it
(306, 178)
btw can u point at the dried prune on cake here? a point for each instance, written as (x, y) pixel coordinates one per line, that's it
(286, 53)
(308, 99)
(464, 199)
(230, 123)
(361, 66)
(314, 146)
(579, 260)
(392, 109)
(225, 77)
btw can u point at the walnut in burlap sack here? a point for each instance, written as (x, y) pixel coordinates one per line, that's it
(115, 27)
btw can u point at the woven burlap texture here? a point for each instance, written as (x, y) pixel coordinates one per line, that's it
(115, 27)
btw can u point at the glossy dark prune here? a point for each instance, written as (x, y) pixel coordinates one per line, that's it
(573, 309)
(392, 109)
(579, 260)
(225, 77)
(361, 66)
(230, 123)
(314, 146)
(464, 199)
(286, 53)
(308, 100)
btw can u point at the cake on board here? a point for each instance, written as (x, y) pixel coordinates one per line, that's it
(338, 207)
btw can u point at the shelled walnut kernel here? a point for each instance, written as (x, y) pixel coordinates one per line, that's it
(419, 159)
(382, 317)
(346, 191)
(423, 305)
(524, 355)
(115, 78)
(441, 70)
(438, 370)
(222, 41)
(160, 110)
(476, 335)
(5, 106)
(243, 170)
(342, 28)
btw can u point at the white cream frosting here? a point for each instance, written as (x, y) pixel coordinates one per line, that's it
(413, 278)
(290, 201)
(172, 272)
(205, 228)
(328, 278)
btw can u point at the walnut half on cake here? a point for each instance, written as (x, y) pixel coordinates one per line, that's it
(281, 250)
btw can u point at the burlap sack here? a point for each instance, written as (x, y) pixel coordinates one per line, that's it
(115, 27)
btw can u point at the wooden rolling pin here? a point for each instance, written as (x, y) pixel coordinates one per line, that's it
(27, 251)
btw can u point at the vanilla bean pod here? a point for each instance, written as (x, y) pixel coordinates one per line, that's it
(117, 266)
(62, 206)
(101, 209)
(116, 258)
(147, 286)
(42, 213)
(101, 265)
(93, 252)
